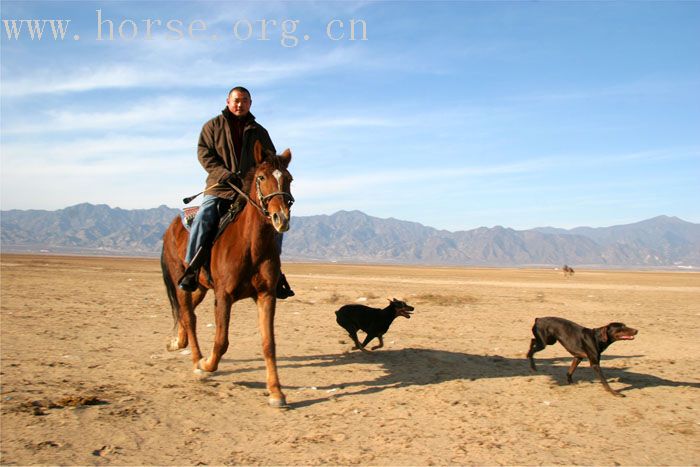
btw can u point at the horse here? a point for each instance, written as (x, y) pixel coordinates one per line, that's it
(245, 263)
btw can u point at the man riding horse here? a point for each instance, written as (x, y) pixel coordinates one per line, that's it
(225, 150)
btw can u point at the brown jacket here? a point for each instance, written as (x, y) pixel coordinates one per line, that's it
(216, 154)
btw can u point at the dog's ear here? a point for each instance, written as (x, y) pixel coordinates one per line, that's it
(603, 333)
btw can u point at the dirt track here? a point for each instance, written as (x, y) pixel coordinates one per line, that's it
(86, 378)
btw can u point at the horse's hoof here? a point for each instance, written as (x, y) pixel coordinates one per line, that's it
(277, 403)
(201, 372)
(173, 345)
(201, 375)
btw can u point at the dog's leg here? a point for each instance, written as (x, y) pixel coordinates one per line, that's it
(353, 336)
(535, 346)
(596, 368)
(381, 343)
(366, 341)
(572, 368)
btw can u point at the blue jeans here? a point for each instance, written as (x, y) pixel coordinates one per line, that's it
(205, 225)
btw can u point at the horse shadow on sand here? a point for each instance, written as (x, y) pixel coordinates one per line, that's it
(422, 367)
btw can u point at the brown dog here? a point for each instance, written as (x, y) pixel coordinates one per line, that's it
(579, 341)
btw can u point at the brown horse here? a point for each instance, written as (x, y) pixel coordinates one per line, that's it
(245, 263)
(568, 270)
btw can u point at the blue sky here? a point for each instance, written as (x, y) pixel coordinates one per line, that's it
(454, 114)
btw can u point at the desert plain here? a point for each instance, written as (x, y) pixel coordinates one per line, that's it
(86, 378)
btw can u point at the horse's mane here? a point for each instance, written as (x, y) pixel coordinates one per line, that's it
(248, 181)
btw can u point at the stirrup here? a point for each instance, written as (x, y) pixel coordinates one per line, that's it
(189, 281)
(190, 278)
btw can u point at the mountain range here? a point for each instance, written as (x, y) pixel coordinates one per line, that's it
(352, 236)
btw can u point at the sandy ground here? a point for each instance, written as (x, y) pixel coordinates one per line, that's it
(86, 378)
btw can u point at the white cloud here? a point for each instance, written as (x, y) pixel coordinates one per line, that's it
(46, 155)
(159, 112)
(152, 74)
(328, 185)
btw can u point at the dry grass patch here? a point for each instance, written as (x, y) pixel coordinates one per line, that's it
(335, 298)
(444, 300)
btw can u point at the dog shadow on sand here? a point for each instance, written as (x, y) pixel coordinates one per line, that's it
(421, 367)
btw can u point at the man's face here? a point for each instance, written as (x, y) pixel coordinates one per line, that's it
(238, 103)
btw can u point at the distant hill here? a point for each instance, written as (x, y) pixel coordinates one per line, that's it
(86, 228)
(352, 236)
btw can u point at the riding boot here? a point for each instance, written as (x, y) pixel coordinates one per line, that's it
(283, 288)
(189, 281)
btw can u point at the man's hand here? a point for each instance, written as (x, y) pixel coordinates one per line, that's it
(231, 179)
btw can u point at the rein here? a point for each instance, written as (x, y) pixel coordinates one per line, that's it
(263, 200)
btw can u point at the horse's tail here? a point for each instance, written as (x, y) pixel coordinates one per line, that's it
(170, 287)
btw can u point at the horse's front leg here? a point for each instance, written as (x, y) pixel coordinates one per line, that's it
(222, 316)
(266, 317)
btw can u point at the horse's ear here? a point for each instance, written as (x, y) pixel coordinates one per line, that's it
(286, 157)
(258, 153)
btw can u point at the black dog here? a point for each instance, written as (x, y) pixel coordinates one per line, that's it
(374, 321)
(579, 341)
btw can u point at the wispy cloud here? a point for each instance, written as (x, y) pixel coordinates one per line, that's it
(204, 72)
(158, 112)
(646, 87)
(328, 184)
(83, 151)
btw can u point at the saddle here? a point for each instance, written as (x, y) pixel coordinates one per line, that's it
(228, 212)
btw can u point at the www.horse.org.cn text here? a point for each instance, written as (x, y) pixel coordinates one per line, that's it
(287, 32)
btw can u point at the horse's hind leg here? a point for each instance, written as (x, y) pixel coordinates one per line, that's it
(188, 321)
(181, 341)
(222, 315)
(182, 303)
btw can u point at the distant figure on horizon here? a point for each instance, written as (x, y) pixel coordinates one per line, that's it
(568, 270)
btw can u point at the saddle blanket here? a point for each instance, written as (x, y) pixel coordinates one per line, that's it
(187, 216)
(228, 213)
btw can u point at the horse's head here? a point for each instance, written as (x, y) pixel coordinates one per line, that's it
(271, 186)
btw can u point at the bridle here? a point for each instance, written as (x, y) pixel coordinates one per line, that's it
(264, 200)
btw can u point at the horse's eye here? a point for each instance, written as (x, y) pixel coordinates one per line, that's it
(261, 177)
